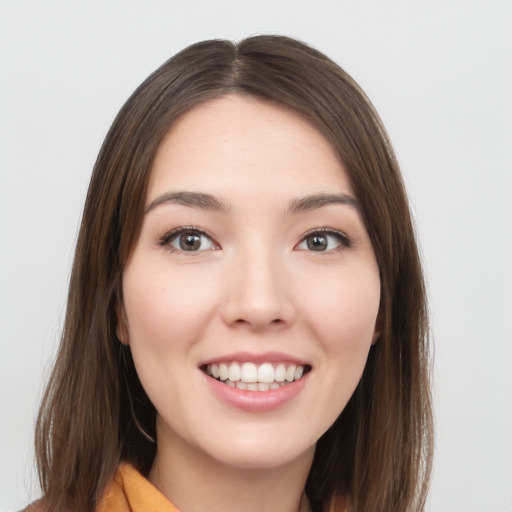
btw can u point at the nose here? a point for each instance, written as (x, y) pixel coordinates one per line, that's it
(258, 294)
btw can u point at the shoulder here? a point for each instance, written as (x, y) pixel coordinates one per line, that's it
(36, 506)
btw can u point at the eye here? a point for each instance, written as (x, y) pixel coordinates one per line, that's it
(188, 240)
(323, 241)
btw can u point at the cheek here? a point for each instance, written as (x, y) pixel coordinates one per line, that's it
(344, 309)
(339, 309)
(163, 307)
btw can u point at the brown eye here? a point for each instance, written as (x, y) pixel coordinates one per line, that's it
(189, 241)
(324, 241)
(317, 242)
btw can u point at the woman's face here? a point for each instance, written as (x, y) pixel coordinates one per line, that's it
(252, 294)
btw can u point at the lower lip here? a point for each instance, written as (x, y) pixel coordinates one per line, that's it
(257, 401)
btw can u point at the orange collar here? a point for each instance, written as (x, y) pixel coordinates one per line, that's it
(129, 491)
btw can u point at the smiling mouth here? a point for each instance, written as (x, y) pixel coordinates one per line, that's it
(256, 377)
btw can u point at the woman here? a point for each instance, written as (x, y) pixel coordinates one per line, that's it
(246, 323)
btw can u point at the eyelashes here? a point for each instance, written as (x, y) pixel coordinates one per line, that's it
(324, 240)
(190, 239)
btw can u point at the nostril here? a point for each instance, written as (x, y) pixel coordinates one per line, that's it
(244, 321)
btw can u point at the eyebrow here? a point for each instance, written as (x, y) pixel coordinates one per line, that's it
(190, 199)
(312, 202)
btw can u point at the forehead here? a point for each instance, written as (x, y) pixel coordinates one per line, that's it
(246, 146)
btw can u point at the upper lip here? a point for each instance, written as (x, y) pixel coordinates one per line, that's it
(256, 358)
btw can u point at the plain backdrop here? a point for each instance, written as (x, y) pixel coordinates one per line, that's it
(440, 74)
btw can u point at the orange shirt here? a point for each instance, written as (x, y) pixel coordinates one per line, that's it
(129, 491)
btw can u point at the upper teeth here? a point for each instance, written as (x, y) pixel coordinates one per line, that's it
(250, 372)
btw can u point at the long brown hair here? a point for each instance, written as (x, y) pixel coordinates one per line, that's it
(377, 455)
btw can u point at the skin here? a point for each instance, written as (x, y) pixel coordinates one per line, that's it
(254, 286)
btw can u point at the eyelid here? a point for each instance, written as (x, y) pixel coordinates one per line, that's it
(165, 239)
(344, 240)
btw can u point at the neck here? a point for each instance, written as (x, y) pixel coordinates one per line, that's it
(193, 482)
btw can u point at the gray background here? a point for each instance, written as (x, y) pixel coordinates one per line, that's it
(439, 73)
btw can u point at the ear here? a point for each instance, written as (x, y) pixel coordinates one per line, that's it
(378, 329)
(122, 325)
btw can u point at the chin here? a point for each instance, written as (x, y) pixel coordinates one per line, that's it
(260, 453)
